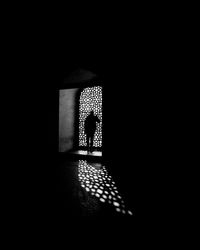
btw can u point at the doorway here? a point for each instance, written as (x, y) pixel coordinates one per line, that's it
(90, 100)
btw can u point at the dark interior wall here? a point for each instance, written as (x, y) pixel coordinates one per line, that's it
(79, 76)
(136, 130)
(121, 143)
(130, 132)
(67, 116)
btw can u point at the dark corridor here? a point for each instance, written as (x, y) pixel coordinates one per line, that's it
(132, 152)
(86, 177)
(138, 71)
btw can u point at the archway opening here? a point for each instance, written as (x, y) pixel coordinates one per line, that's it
(90, 100)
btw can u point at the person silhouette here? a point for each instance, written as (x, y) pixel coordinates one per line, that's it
(90, 128)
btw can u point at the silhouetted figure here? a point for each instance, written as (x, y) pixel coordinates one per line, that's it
(90, 128)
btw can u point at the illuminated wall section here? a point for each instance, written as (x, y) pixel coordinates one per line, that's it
(90, 99)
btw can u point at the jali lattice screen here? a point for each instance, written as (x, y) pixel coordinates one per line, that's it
(90, 99)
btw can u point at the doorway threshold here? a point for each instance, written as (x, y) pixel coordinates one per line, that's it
(85, 152)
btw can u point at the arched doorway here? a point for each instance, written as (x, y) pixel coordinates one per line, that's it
(90, 100)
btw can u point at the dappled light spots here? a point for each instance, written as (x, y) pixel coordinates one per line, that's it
(101, 185)
(99, 191)
(129, 212)
(116, 204)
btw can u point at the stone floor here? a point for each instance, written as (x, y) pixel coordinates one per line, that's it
(87, 190)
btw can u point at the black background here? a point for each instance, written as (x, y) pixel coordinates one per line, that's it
(139, 66)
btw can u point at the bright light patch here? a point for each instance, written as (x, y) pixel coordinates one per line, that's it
(85, 152)
(116, 204)
(129, 212)
(99, 191)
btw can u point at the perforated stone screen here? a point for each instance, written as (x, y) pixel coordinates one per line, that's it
(90, 99)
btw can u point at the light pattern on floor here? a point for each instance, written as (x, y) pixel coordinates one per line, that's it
(99, 183)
